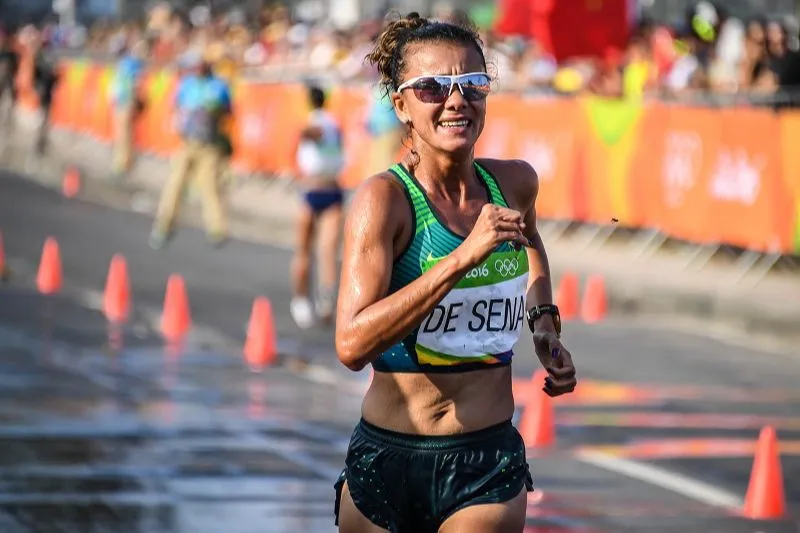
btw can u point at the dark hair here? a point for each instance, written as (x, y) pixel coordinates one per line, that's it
(316, 96)
(388, 54)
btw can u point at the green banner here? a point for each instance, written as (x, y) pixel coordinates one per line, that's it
(615, 128)
(612, 119)
(797, 229)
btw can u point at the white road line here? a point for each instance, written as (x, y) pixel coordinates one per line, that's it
(678, 483)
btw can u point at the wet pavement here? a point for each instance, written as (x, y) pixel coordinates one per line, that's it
(101, 438)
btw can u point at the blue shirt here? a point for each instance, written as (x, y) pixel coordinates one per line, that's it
(123, 86)
(381, 117)
(201, 102)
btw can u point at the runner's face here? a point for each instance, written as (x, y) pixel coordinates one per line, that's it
(451, 126)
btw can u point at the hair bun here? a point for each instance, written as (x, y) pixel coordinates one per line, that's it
(398, 31)
(390, 40)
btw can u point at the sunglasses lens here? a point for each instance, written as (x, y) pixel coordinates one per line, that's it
(436, 90)
(432, 90)
(475, 86)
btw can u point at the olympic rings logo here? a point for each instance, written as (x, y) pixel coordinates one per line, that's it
(506, 267)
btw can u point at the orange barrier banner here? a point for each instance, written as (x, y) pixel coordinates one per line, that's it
(702, 175)
(247, 137)
(681, 143)
(745, 185)
(790, 133)
(541, 132)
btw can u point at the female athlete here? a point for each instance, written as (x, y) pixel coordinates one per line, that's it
(320, 159)
(442, 269)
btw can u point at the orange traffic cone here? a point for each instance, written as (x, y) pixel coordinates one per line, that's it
(117, 300)
(567, 296)
(49, 277)
(595, 300)
(176, 318)
(71, 184)
(765, 498)
(260, 348)
(537, 425)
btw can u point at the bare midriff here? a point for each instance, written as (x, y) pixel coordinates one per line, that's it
(439, 404)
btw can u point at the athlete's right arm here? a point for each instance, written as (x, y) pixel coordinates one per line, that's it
(368, 320)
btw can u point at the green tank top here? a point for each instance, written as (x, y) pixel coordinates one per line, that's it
(479, 321)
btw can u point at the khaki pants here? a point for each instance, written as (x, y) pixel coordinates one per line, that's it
(203, 162)
(123, 139)
(6, 108)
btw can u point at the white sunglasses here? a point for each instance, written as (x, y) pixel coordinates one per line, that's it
(436, 89)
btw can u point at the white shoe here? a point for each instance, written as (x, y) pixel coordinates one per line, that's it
(302, 312)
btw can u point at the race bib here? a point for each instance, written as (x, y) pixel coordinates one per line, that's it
(481, 319)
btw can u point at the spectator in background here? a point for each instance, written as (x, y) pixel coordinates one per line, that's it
(607, 79)
(127, 103)
(639, 75)
(783, 61)
(45, 78)
(203, 103)
(385, 131)
(686, 72)
(540, 66)
(9, 66)
(728, 53)
(755, 73)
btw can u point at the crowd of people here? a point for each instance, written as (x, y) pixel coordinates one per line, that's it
(736, 57)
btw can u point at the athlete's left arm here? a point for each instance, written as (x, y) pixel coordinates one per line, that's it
(524, 190)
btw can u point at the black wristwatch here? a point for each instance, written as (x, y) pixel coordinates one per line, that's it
(536, 312)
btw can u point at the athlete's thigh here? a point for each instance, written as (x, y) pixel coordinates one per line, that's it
(304, 229)
(329, 227)
(506, 517)
(350, 518)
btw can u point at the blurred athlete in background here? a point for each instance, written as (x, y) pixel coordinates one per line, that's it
(320, 160)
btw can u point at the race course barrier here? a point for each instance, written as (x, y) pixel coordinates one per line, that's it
(708, 176)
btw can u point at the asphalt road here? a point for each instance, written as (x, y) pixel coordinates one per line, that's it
(650, 396)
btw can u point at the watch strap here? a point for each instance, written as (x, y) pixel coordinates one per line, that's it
(537, 311)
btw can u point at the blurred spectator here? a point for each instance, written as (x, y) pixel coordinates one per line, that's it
(687, 71)
(9, 65)
(723, 71)
(127, 103)
(203, 102)
(640, 73)
(45, 78)
(607, 79)
(783, 61)
(540, 66)
(385, 131)
(710, 53)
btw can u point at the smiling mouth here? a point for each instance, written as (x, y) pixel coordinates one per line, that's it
(455, 123)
